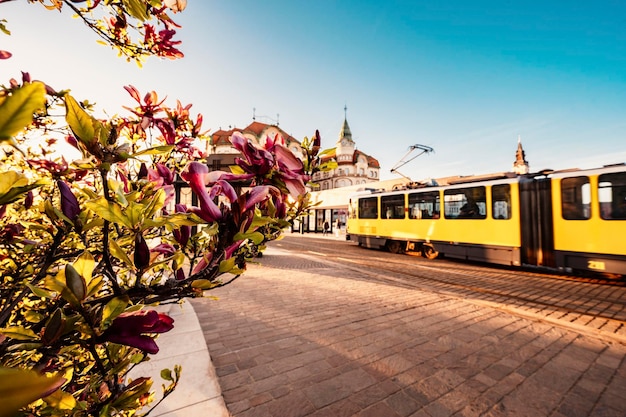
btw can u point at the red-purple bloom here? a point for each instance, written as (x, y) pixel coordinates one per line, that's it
(256, 161)
(133, 329)
(164, 249)
(291, 170)
(197, 175)
(274, 162)
(164, 178)
(161, 44)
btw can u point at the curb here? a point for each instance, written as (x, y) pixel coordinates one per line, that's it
(198, 392)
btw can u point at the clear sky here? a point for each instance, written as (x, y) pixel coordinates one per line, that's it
(464, 77)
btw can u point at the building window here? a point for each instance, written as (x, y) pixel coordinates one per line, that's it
(612, 196)
(575, 198)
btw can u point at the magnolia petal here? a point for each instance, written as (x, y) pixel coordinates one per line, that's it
(287, 159)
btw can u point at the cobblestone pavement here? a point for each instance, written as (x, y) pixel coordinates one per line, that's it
(323, 341)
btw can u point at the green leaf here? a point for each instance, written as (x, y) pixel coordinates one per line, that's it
(81, 123)
(85, 265)
(327, 151)
(157, 150)
(54, 328)
(119, 253)
(16, 111)
(75, 282)
(40, 292)
(18, 333)
(14, 186)
(184, 219)
(3, 28)
(166, 374)
(156, 203)
(135, 214)
(114, 308)
(20, 387)
(259, 221)
(108, 211)
(255, 237)
(236, 169)
(227, 265)
(202, 284)
(137, 9)
(327, 166)
(61, 400)
(94, 285)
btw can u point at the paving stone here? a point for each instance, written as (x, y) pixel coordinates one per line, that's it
(318, 342)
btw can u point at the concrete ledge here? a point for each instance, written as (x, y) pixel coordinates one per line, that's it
(198, 392)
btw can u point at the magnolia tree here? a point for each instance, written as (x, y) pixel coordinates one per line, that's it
(88, 245)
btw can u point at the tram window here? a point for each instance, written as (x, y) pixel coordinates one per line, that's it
(575, 198)
(501, 201)
(612, 196)
(368, 208)
(465, 203)
(424, 205)
(392, 206)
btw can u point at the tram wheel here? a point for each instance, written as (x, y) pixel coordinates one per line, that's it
(429, 252)
(394, 246)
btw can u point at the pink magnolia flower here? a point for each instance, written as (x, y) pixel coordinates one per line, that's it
(197, 175)
(134, 329)
(274, 164)
(164, 178)
(255, 160)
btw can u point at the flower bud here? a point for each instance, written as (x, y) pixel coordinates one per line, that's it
(142, 252)
(28, 201)
(69, 203)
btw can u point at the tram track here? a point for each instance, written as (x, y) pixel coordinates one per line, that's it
(552, 293)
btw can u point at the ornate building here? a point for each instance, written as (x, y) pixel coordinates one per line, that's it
(256, 131)
(355, 167)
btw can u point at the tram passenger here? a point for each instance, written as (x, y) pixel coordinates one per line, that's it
(469, 210)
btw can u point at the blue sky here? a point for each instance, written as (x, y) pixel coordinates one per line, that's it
(466, 78)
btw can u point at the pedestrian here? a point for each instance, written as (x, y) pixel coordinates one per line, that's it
(326, 227)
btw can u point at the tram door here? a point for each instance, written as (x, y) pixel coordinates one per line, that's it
(536, 222)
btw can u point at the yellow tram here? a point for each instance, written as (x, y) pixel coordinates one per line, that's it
(569, 220)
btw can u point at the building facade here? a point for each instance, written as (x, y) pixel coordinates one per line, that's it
(257, 132)
(354, 167)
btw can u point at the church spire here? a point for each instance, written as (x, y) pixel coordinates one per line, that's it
(345, 135)
(520, 166)
(345, 148)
